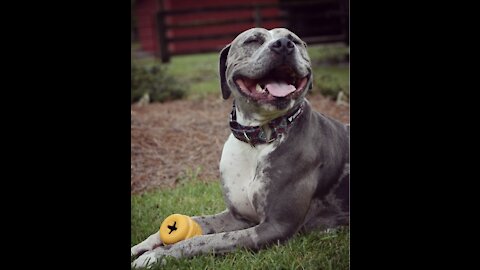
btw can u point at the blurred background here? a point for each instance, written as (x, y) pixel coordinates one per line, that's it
(166, 28)
(175, 91)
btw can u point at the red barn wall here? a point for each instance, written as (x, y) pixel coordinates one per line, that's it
(217, 44)
(146, 11)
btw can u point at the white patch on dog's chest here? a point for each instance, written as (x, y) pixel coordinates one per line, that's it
(238, 166)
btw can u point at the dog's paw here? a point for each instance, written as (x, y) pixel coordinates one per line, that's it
(147, 260)
(137, 250)
(152, 242)
(150, 258)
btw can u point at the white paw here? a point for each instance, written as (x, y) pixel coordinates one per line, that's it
(148, 244)
(135, 250)
(146, 260)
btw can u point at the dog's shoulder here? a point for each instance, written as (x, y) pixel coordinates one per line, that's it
(327, 122)
(325, 134)
(323, 125)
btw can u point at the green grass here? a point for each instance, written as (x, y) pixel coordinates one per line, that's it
(192, 198)
(330, 54)
(200, 71)
(316, 250)
(330, 80)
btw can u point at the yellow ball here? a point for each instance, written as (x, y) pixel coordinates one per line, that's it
(178, 227)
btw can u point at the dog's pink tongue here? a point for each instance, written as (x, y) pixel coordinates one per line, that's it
(280, 89)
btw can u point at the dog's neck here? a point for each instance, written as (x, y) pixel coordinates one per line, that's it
(257, 117)
(264, 128)
(253, 119)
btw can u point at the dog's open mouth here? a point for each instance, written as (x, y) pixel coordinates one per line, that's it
(282, 82)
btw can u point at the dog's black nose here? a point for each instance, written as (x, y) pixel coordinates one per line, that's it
(282, 46)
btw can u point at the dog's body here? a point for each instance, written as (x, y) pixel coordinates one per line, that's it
(292, 177)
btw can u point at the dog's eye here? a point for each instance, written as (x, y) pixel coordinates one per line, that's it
(299, 42)
(296, 41)
(253, 40)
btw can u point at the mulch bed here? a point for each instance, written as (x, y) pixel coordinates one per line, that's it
(171, 140)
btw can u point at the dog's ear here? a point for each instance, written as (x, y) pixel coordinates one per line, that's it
(223, 69)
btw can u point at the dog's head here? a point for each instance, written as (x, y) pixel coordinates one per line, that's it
(268, 70)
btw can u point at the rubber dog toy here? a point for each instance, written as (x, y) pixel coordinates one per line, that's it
(178, 227)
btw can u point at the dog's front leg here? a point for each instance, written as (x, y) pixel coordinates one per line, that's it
(221, 222)
(218, 243)
(211, 225)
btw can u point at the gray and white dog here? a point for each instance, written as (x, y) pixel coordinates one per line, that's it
(284, 169)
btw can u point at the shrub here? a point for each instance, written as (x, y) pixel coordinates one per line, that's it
(330, 70)
(330, 86)
(153, 80)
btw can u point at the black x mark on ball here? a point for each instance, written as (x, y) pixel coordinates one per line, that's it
(172, 228)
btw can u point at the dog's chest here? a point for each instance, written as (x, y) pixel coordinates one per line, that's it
(240, 168)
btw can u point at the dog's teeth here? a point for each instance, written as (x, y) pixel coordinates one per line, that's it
(259, 88)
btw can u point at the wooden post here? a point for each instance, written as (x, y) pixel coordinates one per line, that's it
(162, 38)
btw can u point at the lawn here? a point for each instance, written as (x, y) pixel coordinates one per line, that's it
(199, 70)
(316, 250)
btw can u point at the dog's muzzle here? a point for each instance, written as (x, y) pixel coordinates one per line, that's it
(281, 82)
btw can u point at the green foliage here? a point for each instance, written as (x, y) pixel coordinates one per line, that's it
(330, 69)
(153, 80)
(199, 70)
(331, 80)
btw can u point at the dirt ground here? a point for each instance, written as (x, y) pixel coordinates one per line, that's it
(172, 140)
